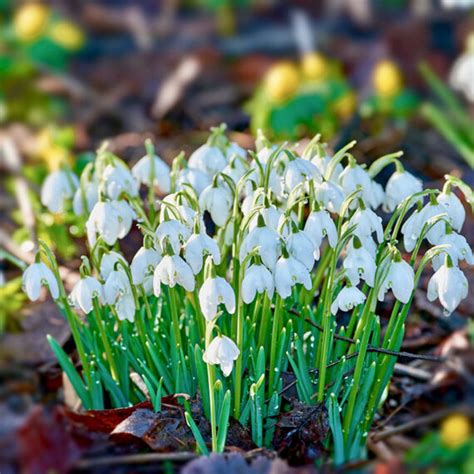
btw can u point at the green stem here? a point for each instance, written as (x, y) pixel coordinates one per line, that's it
(273, 348)
(211, 376)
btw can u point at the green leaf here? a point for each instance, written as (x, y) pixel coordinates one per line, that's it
(201, 445)
(223, 422)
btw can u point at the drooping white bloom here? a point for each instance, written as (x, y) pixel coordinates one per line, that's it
(288, 273)
(399, 187)
(271, 216)
(216, 291)
(221, 351)
(143, 170)
(89, 196)
(257, 279)
(456, 247)
(462, 71)
(196, 178)
(108, 263)
(377, 195)
(197, 248)
(366, 222)
(173, 270)
(236, 168)
(208, 159)
(110, 220)
(451, 204)
(143, 264)
(174, 232)
(59, 186)
(322, 163)
(319, 225)
(450, 285)
(267, 240)
(359, 264)
(118, 179)
(330, 195)
(118, 293)
(299, 171)
(400, 279)
(348, 298)
(36, 276)
(235, 149)
(301, 246)
(84, 291)
(217, 200)
(354, 177)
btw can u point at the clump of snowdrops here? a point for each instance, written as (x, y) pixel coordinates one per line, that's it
(253, 264)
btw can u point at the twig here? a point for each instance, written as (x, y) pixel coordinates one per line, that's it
(412, 372)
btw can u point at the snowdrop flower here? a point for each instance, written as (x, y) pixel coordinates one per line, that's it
(83, 293)
(359, 264)
(208, 159)
(457, 248)
(267, 239)
(173, 270)
(400, 279)
(450, 285)
(57, 188)
(108, 263)
(366, 222)
(216, 291)
(289, 272)
(194, 177)
(453, 207)
(348, 298)
(322, 163)
(36, 276)
(221, 351)
(111, 220)
(319, 225)
(354, 177)
(235, 169)
(175, 232)
(233, 149)
(377, 195)
(89, 195)
(143, 264)
(198, 247)
(401, 185)
(299, 171)
(301, 247)
(330, 195)
(271, 216)
(257, 279)
(217, 200)
(118, 293)
(462, 71)
(117, 179)
(142, 171)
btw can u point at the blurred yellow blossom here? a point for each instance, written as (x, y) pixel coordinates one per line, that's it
(455, 430)
(30, 20)
(282, 81)
(387, 79)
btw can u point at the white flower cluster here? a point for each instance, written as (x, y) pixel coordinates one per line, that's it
(275, 212)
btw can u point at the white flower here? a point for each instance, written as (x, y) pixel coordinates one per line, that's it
(173, 270)
(366, 222)
(462, 71)
(196, 178)
(235, 149)
(112, 220)
(322, 163)
(221, 351)
(83, 293)
(216, 291)
(269, 242)
(143, 264)
(400, 186)
(235, 169)
(175, 232)
(299, 171)
(36, 276)
(257, 279)
(57, 188)
(118, 293)
(451, 204)
(354, 177)
(208, 159)
(330, 195)
(271, 216)
(401, 279)
(197, 248)
(359, 263)
(217, 200)
(457, 248)
(117, 180)
(89, 195)
(108, 261)
(319, 225)
(348, 298)
(450, 285)
(300, 246)
(289, 272)
(161, 171)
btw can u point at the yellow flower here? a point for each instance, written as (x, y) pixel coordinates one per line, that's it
(67, 34)
(282, 81)
(344, 106)
(315, 66)
(30, 20)
(455, 430)
(387, 79)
